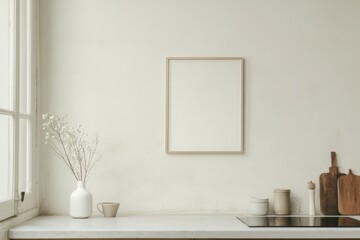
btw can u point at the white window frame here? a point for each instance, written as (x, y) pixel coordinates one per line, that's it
(15, 207)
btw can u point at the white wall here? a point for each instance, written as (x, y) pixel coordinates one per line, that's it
(103, 64)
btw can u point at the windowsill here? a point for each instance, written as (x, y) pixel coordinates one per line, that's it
(9, 223)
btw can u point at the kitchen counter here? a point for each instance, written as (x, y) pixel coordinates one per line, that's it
(165, 226)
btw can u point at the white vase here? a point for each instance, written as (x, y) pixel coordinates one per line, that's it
(81, 202)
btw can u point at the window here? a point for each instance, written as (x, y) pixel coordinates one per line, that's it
(17, 106)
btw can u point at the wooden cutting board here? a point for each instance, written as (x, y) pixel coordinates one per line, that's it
(349, 194)
(329, 189)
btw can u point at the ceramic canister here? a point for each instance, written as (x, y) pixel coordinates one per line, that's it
(282, 201)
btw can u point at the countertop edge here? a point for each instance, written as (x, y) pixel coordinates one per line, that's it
(166, 226)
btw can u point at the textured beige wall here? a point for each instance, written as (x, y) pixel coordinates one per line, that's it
(103, 64)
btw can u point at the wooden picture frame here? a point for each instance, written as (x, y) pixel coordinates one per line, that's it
(204, 105)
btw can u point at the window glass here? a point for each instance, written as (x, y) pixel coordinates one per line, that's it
(24, 61)
(6, 158)
(4, 55)
(24, 155)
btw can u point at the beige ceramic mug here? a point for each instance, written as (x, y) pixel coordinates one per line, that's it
(109, 209)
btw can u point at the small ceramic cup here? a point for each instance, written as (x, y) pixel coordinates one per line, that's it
(109, 209)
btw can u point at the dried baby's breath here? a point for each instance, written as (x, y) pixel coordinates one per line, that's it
(70, 143)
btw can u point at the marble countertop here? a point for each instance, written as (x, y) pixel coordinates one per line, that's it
(164, 226)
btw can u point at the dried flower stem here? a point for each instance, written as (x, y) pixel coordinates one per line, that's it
(70, 144)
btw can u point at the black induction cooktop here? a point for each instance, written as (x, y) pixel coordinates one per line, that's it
(303, 221)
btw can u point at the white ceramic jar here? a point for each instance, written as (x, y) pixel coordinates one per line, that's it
(258, 206)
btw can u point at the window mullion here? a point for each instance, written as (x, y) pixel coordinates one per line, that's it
(25, 116)
(16, 100)
(6, 112)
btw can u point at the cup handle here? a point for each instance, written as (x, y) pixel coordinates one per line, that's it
(99, 208)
